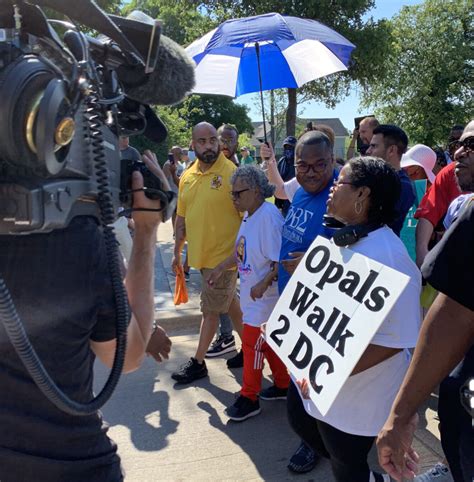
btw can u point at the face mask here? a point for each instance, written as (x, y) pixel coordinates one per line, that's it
(289, 153)
(191, 156)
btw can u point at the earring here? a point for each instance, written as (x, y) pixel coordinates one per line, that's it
(358, 207)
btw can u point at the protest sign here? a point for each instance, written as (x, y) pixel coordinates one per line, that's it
(328, 313)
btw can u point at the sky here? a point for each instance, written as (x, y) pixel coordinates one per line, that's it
(349, 108)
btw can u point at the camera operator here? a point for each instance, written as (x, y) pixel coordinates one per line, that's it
(61, 287)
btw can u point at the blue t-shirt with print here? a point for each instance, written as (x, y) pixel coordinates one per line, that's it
(303, 223)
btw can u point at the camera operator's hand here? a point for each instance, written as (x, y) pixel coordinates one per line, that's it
(149, 158)
(144, 219)
(159, 346)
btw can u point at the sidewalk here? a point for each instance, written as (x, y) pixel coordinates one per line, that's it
(168, 432)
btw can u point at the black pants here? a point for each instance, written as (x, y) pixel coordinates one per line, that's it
(457, 433)
(347, 453)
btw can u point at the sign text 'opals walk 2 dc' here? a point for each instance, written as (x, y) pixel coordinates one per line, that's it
(330, 310)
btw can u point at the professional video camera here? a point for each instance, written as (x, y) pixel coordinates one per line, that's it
(64, 102)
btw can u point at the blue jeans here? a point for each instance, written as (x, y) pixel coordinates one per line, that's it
(225, 328)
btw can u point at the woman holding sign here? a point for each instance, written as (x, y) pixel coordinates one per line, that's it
(363, 199)
(257, 249)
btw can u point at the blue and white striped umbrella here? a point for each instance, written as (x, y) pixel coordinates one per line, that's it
(292, 52)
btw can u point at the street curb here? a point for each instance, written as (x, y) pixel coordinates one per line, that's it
(179, 320)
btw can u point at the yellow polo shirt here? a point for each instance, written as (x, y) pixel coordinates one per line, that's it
(212, 222)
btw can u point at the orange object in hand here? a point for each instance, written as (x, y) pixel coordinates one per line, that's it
(180, 290)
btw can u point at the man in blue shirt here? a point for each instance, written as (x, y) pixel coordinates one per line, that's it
(314, 167)
(389, 142)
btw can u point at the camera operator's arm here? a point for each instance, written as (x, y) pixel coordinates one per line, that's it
(139, 283)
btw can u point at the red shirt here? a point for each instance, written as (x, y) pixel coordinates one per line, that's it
(437, 199)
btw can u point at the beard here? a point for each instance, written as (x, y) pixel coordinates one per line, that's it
(208, 157)
(465, 185)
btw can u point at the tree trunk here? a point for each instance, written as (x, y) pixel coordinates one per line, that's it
(291, 113)
(272, 116)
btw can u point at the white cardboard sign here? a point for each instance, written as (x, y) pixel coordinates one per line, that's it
(328, 313)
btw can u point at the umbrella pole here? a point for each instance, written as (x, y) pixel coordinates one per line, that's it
(257, 49)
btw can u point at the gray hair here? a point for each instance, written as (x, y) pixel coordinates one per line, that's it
(255, 178)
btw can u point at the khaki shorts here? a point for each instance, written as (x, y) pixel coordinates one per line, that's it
(217, 298)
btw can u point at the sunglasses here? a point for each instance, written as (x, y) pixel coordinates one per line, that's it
(236, 194)
(467, 143)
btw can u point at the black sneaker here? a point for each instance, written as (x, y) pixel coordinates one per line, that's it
(303, 460)
(236, 361)
(273, 393)
(190, 371)
(243, 409)
(220, 346)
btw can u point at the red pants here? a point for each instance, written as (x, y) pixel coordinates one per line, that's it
(255, 348)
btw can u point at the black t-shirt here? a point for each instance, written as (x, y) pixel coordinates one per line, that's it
(60, 285)
(449, 266)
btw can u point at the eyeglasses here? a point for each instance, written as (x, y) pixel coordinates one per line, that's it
(236, 194)
(337, 183)
(227, 141)
(304, 168)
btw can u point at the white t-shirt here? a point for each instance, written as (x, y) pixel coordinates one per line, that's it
(455, 209)
(364, 402)
(290, 188)
(258, 244)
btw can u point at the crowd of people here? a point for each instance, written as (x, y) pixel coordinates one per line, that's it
(245, 225)
(234, 232)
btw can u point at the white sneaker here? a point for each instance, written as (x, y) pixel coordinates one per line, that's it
(439, 473)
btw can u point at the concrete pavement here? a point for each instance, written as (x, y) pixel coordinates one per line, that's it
(171, 432)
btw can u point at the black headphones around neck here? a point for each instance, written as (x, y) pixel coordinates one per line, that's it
(348, 234)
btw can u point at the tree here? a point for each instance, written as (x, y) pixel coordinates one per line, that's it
(183, 24)
(428, 81)
(181, 21)
(217, 110)
(346, 17)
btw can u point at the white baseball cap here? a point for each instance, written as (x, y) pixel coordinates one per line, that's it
(423, 156)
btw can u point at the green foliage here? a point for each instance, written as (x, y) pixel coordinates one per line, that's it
(179, 134)
(217, 110)
(245, 141)
(181, 20)
(428, 82)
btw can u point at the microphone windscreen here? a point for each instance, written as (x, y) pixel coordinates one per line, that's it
(172, 79)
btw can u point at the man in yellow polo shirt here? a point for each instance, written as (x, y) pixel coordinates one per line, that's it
(208, 220)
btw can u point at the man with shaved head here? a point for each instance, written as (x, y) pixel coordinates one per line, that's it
(208, 220)
(365, 132)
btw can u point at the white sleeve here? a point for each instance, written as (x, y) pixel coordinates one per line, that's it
(270, 234)
(290, 188)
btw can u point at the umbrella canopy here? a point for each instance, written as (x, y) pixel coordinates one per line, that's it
(293, 51)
